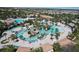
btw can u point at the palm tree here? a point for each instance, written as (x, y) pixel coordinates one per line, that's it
(57, 33)
(37, 49)
(2, 26)
(13, 36)
(8, 48)
(57, 47)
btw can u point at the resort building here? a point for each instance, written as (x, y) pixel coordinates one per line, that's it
(46, 17)
(31, 17)
(9, 21)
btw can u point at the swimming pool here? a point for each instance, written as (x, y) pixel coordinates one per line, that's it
(42, 32)
(19, 20)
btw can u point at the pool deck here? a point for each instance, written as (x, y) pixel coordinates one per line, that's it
(44, 40)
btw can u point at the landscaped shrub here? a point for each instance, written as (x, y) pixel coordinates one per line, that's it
(37, 49)
(13, 36)
(57, 48)
(4, 41)
(8, 48)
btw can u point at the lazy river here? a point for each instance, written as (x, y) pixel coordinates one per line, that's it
(42, 32)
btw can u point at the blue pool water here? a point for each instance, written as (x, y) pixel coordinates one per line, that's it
(53, 29)
(19, 20)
